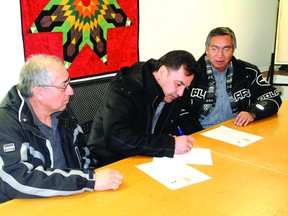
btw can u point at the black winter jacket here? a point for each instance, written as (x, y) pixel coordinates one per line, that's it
(26, 169)
(249, 90)
(123, 121)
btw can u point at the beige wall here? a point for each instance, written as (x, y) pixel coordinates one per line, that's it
(166, 25)
(186, 24)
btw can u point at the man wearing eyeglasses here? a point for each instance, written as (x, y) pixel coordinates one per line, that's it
(228, 87)
(41, 148)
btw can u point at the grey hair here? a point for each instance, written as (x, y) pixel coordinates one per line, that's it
(221, 31)
(35, 73)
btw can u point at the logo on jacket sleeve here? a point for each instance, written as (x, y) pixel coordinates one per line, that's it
(9, 147)
(241, 94)
(270, 94)
(198, 93)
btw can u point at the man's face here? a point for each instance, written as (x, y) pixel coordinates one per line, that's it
(56, 96)
(220, 51)
(173, 82)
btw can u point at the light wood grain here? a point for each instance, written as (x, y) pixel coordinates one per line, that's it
(270, 152)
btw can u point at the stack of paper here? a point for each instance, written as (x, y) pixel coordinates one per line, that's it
(174, 172)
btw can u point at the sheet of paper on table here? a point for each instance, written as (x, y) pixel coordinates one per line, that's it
(199, 156)
(232, 136)
(173, 175)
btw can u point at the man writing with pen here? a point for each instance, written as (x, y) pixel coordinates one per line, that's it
(143, 113)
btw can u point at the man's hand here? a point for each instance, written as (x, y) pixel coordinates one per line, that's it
(183, 144)
(244, 118)
(107, 179)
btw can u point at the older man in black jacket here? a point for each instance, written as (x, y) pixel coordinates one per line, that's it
(42, 153)
(228, 87)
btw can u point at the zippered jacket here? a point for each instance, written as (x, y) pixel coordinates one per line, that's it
(250, 90)
(26, 156)
(123, 122)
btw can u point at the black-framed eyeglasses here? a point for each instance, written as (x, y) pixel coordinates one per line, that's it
(59, 87)
(225, 50)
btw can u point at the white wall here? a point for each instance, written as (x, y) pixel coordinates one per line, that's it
(185, 25)
(166, 25)
(12, 55)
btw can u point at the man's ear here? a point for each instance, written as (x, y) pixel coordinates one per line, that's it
(162, 70)
(37, 92)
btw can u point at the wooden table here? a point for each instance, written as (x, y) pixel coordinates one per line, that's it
(271, 152)
(251, 180)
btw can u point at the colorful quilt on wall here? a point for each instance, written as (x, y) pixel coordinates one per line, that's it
(91, 36)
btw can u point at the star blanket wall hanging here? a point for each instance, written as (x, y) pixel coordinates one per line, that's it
(91, 36)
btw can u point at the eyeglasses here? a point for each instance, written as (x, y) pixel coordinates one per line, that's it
(59, 87)
(215, 50)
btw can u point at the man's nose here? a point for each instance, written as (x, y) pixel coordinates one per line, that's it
(69, 90)
(221, 53)
(180, 91)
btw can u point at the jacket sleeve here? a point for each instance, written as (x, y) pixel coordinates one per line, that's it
(266, 99)
(23, 166)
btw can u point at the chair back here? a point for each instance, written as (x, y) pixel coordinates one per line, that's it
(88, 93)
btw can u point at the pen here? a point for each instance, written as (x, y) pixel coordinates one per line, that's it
(180, 131)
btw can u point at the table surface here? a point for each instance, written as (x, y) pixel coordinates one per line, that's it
(271, 152)
(251, 180)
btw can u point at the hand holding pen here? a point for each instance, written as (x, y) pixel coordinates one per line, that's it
(183, 143)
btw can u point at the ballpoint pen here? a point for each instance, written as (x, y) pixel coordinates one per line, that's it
(180, 131)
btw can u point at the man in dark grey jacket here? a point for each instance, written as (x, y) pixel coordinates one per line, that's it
(142, 113)
(41, 149)
(228, 87)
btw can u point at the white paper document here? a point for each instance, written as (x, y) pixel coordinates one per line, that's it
(199, 156)
(173, 175)
(232, 136)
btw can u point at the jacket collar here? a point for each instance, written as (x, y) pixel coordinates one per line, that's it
(14, 100)
(153, 89)
(140, 77)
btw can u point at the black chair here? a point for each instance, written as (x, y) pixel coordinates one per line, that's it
(88, 93)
